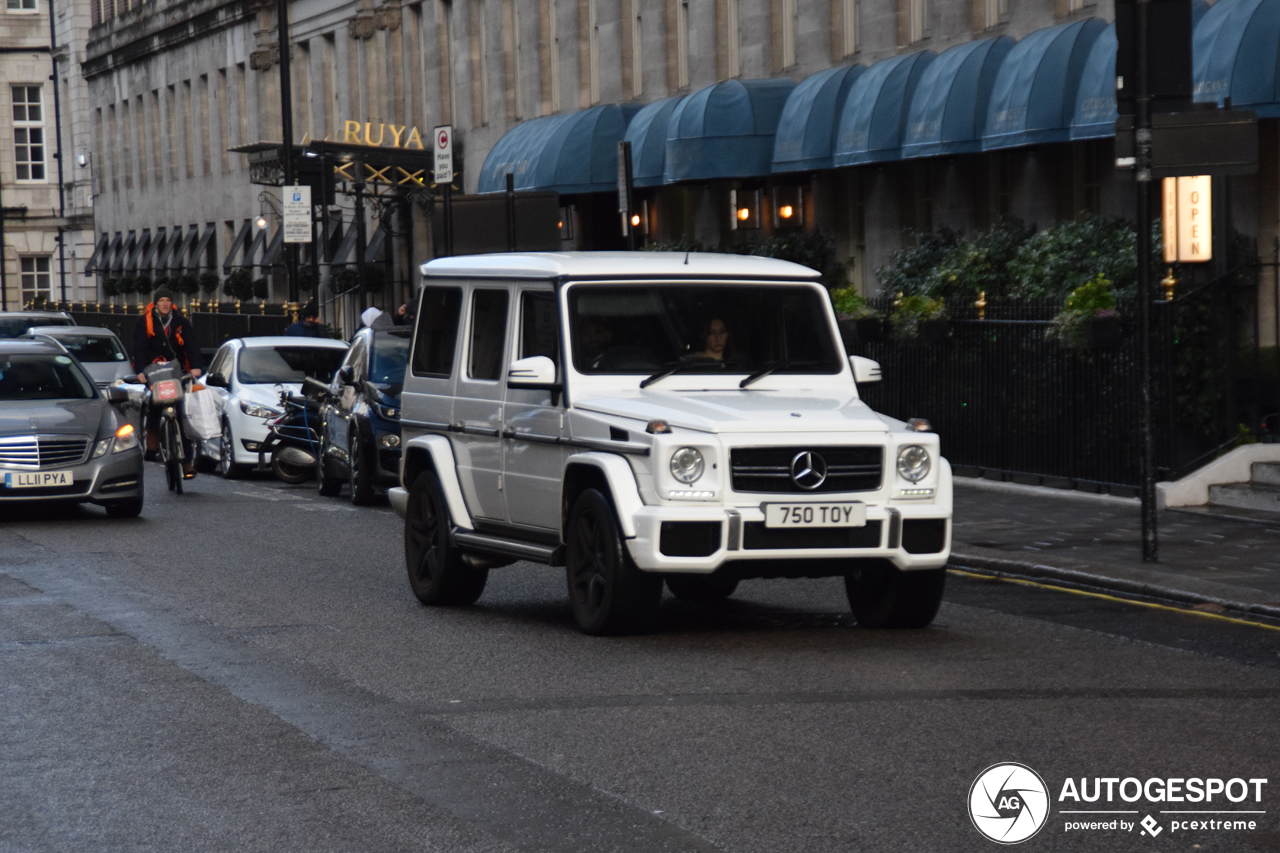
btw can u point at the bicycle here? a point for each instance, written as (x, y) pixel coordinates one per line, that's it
(167, 387)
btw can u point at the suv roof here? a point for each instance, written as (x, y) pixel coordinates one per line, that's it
(616, 265)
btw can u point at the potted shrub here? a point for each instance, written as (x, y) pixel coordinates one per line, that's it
(1088, 318)
(920, 318)
(853, 309)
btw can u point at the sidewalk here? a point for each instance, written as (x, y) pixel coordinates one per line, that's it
(1096, 541)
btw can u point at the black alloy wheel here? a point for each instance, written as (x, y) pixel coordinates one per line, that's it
(883, 596)
(329, 487)
(437, 573)
(608, 593)
(701, 588)
(358, 464)
(227, 466)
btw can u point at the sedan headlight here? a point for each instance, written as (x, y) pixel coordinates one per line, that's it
(687, 465)
(913, 463)
(126, 438)
(257, 410)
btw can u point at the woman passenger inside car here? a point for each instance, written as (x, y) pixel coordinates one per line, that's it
(715, 339)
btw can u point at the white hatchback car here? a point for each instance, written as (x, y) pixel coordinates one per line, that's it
(246, 376)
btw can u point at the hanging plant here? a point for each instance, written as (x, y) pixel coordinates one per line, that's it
(1088, 317)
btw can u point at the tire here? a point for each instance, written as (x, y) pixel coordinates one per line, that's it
(204, 464)
(125, 509)
(701, 588)
(883, 596)
(293, 475)
(171, 452)
(437, 574)
(608, 593)
(227, 466)
(329, 487)
(361, 478)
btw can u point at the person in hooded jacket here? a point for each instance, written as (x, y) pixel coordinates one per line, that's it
(162, 334)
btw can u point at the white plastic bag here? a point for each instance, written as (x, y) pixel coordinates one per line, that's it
(202, 416)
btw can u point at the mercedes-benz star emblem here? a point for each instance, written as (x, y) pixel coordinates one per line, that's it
(808, 470)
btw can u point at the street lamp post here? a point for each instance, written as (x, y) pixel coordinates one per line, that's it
(286, 123)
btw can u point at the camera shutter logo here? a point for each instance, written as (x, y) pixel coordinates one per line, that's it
(1008, 803)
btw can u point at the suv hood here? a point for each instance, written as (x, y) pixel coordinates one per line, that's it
(742, 411)
(75, 417)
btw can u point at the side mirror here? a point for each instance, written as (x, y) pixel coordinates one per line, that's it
(214, 380)
(347, 374)
(117, 394)
(864, 369)
(536, 371)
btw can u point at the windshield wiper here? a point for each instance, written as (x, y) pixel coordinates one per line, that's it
(773, 368)
(679, 366)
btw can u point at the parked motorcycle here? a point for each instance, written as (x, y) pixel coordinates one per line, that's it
(293, 443)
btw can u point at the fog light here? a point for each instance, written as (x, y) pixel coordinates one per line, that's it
(391, 441)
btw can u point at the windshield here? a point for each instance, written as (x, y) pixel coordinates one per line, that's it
(701, 328)
(390, 354)
(12, 327)
(43, 377)
(92, 348)
(270, 365)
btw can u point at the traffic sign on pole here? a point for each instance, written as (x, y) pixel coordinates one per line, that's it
(443, 137)
(297, 214)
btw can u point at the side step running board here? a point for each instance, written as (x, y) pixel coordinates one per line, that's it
(552, 555)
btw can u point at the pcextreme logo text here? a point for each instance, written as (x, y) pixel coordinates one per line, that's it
(1009, 803)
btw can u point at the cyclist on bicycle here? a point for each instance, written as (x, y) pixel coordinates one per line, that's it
(161, 335)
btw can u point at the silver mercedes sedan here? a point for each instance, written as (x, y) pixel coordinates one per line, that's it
(61, 439)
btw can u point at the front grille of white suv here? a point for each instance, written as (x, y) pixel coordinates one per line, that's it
(849, 468)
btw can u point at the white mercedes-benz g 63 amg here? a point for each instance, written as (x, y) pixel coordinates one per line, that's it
(648, 417)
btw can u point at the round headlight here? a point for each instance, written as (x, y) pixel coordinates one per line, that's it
(687, 465)
(913, 462)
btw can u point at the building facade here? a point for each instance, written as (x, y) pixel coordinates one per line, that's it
(42, 94)
(178, 84)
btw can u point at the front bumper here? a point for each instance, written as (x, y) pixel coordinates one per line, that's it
(111, 478)
(701, 540)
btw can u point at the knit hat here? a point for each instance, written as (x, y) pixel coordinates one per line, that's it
(309, 310)
(161, 293)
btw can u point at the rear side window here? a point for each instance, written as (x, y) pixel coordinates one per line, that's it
(437, 336)
(488, 334)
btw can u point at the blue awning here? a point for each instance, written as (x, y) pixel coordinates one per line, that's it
(1235, 51)
(806, 136)
(572, 153)
(949, 110)
(873, 120)
(1034, 99)
(725, 130)
(647, 134)
(1095, 115)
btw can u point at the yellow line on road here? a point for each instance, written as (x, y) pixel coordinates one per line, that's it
(1105, 597)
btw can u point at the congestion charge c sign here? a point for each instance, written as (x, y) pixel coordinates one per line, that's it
(1008, 803)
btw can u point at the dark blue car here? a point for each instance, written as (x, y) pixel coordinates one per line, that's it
(360, 431)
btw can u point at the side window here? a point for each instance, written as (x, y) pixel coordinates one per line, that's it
(437, 335)
(488, 334)
(539, 325)
(222, 363)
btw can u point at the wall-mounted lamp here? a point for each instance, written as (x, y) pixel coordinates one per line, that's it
(640, 217)
(82, 160)
(744, 209)
(261, 221)
(566, 222)
(788, 207)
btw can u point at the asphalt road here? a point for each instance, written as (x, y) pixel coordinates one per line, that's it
(244, 668)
